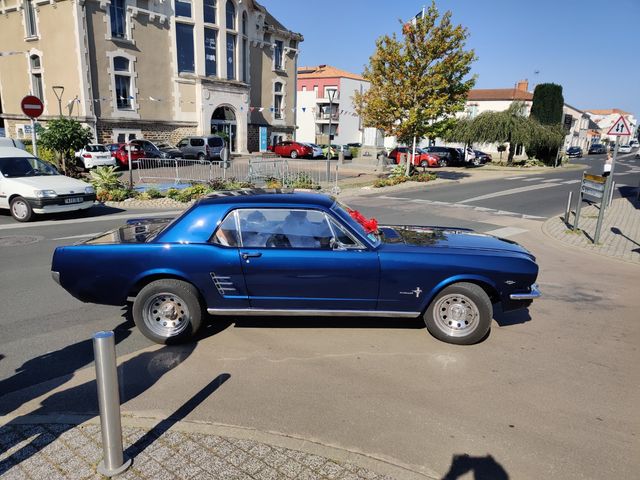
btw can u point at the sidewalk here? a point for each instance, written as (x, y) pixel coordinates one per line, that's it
(38, 449)
(619, 235)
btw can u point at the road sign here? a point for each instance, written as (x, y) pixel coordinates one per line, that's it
(593, 185)
(32, 106)
(620, 128)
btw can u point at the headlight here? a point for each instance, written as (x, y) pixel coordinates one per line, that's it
(89, 190)
(45, 193)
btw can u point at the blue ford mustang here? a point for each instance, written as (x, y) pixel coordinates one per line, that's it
(283, 253)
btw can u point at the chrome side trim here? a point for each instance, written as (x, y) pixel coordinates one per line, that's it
(309, 313)
(535, 293)
(222, 284)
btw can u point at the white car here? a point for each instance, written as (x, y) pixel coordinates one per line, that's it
(28, 185)
(95, 155)
(317, 151)
(624, 149)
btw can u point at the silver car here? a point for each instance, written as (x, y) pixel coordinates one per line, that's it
(203, 148)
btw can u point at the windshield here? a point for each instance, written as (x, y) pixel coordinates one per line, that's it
(96, 148)
(12, 167)
(347, 215)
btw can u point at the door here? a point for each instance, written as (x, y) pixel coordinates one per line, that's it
(290, 262)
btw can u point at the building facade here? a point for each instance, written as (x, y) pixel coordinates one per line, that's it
(326, 112)
(603, 120)
(151, 69)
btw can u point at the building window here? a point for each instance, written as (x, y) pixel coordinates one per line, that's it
(183, 8)
(244, 23)
(184, 43)
(117, 13)
(210, 52)
(277, 57)
(36, 77)
(35, 62)
(277, 100)
(231, 57)
(210, 11)
(122, 70)
(231, 15)
(30, 19)
(245, 61)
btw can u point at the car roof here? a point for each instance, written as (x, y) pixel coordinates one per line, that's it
(14, 152)
(274, 196)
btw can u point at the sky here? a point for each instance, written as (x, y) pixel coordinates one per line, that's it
(587, 46)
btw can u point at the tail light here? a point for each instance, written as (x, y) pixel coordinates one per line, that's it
(207, 150)
(86, 155)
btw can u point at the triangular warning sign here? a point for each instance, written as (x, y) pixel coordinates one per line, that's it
(619, 128)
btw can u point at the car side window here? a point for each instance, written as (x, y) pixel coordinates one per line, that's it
(344, 238)
(215, 142)
(182, 143)
(284, 228)
(197, 142)
(226, 234)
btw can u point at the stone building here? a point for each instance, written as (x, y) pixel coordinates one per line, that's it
(150, 69)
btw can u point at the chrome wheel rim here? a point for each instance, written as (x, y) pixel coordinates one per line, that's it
(166, 315)
(456, 315)
(20, 209)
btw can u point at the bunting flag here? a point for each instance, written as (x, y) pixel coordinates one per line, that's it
(252, 108)
(304, 109)
(261, 109)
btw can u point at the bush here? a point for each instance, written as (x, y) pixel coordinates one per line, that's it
(355, 152)
(154, 193)
(217, 184)
(193, 192)
(106, 178)
(173, 194)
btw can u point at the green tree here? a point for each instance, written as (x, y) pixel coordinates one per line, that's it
(65, 135)
(417, 82)
(546, 109)
(511, 125)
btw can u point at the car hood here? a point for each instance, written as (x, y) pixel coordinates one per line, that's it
(417, 236)
(61, 184)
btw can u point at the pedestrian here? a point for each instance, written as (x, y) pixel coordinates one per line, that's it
(608, 165)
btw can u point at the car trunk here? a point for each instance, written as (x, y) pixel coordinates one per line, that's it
(135, 231)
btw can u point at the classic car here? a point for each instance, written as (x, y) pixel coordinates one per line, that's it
(259, 252)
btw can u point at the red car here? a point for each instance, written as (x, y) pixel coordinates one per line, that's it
(422, 158)
(122, 154)
(292, 149)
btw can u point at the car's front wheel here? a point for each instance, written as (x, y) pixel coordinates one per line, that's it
(21, 210)
(443, 162)
(460, 314)
(168, 311)
(294, 154)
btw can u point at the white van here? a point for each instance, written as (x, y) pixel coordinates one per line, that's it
(28, 185)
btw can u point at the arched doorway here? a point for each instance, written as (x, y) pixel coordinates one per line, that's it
(223, 123)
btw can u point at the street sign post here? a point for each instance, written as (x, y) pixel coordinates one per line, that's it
(32, 107)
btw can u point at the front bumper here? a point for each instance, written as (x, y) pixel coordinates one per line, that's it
(60, 201)
(531, 295)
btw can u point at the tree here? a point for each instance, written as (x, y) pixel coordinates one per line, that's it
(511, 125)
(417, 82)
(65, 135)
(546, 108)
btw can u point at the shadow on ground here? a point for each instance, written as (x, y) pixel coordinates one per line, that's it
(482, 468)
(95, 211)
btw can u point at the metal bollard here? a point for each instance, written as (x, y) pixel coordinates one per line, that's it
(567, 210)
(104, 350)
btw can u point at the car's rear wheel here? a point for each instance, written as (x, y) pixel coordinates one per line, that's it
(168, 311)
(201, 156)
(21, 210)
(460, 314)
(294, 154)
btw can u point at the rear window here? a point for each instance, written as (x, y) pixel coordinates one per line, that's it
(197, 142)
(215, 142)
(96, 148)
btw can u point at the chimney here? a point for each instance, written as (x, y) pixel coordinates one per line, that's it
(523, 85)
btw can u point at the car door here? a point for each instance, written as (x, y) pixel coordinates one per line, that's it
(292, 261)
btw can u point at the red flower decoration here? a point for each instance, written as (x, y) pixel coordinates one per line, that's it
(370, 225)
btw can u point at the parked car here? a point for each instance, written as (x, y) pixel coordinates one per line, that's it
(354, 145)
(335, 150)
(149, 148)
(203, 148)
(122, 154)
(30, 186)
(113, 148)
(451, 156)
(624, 149)
(170, 151)
(483, 157)
(95, 155)
(285, 253)
(292, 149)
(316, 150)
(597, 149)
(574, 152)
(422, 158)
(634, 144)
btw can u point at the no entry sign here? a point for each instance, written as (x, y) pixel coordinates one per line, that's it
(32, 106)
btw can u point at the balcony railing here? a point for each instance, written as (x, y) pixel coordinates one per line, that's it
(327, 116)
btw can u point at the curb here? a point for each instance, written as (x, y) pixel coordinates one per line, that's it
(373, 462)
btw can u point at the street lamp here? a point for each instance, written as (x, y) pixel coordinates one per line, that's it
(331, 95)
(58, 90)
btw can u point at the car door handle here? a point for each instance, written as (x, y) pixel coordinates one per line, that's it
(251, 255)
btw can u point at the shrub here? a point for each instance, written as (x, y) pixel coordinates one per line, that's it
(193, 192)
(217, 184)
(355, 152)
(106, 178)
(154, 193)
(273, 182)
(173, 193)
